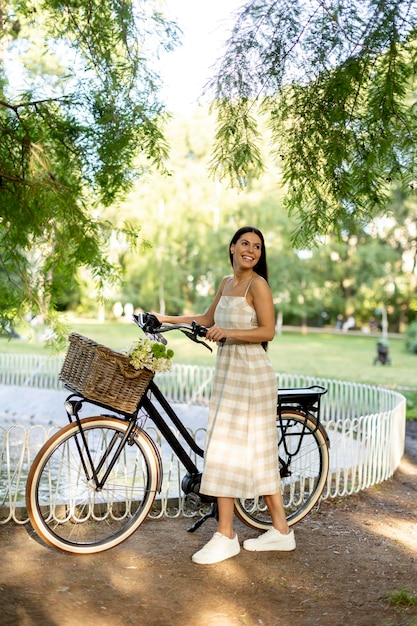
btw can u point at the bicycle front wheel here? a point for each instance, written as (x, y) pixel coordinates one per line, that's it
(303, 453)
(66, 508)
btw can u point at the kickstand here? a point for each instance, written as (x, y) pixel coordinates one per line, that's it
(213, 512)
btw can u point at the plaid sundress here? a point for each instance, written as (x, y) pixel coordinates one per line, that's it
(241, 455)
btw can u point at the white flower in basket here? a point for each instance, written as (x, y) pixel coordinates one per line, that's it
(152, 355)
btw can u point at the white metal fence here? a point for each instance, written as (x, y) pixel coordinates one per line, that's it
(365, 424)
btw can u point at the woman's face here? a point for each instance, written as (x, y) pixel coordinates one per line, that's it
(246, 251)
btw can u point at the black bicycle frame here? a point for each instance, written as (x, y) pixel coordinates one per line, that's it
(91, 471)
(304, 400)
(165, 430)
(94, 470)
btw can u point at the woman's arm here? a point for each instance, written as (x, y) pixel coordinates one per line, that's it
(205, 319)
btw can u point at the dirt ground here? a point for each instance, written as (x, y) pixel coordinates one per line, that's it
(351, 556)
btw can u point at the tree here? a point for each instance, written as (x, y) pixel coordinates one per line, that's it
(334, 79)
(184, 216)
(190, 219)
(79, 118)
(399, 231)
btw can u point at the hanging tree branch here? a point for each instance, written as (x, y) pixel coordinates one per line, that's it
(334, 80)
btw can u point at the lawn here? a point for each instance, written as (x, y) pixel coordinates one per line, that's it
(343, 357)
(339, 356)
(324, 355)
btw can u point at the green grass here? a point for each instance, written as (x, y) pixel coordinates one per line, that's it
(322, 355)
(402, 598)
(345, 357)
(338, 356)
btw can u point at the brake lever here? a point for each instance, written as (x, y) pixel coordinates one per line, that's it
(158, 337)
(194, 337)
(149, 324)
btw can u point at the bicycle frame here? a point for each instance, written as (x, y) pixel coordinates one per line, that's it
(304, 400)
(115, 443)
(74, 406)
(164, 429)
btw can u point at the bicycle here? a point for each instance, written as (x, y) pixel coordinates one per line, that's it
(94, 482)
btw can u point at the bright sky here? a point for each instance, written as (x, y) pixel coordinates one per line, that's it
(205, 24)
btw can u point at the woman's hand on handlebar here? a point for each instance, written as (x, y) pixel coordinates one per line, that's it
(158, 316)
(217, 334)
(214, 333)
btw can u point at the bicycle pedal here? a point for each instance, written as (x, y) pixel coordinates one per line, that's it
(193, 500)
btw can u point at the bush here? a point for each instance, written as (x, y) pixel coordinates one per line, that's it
(411, 340)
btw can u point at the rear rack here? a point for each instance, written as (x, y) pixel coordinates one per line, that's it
(305, 398)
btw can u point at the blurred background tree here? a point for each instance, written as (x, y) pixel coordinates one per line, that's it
(89, 193)
(191, 218)
(336, 83)
(79, 120)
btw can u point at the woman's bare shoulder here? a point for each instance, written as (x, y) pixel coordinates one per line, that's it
(224, 281)
(258, 282)
(259, 288)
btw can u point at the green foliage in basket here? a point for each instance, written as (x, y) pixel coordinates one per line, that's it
(152, 355)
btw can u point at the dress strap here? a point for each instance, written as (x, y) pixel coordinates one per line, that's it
(247, 288)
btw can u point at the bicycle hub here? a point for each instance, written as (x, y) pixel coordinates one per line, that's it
(191, 483)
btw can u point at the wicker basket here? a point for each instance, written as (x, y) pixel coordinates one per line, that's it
(102, 375)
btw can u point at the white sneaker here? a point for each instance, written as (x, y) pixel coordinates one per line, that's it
(219, 548)
(271, 540)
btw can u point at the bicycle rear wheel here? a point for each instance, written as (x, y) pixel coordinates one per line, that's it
(64, 505)
(303, 483)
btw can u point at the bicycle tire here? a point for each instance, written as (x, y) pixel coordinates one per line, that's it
(67, 511)
(309, 468)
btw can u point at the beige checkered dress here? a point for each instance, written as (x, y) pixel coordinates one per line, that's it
(241, 456)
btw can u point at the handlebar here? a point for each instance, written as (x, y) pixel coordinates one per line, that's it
(152, 327)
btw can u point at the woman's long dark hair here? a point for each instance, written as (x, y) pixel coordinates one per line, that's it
(261, 267)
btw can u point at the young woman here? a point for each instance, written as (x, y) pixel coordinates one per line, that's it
(241, 459)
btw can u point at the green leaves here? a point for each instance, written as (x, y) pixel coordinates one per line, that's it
(236, 155)
(84, 124)
(161, 352)
(336, 84)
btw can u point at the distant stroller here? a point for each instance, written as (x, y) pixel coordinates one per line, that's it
(382, 352)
